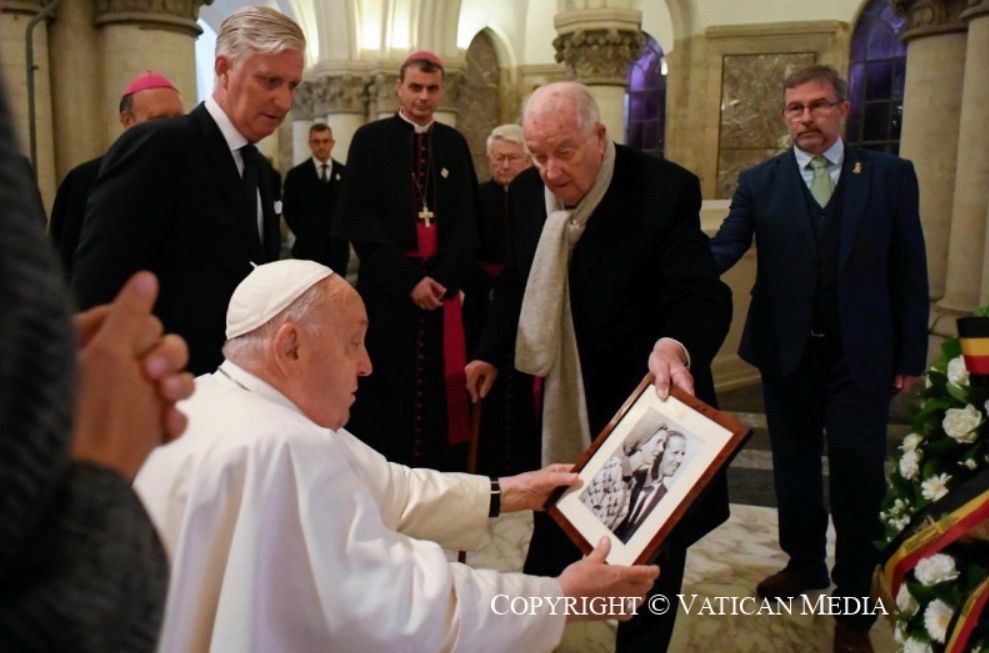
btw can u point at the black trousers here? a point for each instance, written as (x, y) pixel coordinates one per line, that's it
(551, 551)
(819, 402)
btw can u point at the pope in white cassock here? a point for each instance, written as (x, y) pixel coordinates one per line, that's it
(287, 534)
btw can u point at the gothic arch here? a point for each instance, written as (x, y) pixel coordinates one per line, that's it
(478, 104)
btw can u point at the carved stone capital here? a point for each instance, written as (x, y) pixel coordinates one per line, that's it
(974, 9)
(930, 17)
(598, 56)
(453, 83)
(173, 15)
(381, 95)
(302, 101)
(339, 94)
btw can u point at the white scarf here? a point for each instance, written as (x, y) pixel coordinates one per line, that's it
(546, 344)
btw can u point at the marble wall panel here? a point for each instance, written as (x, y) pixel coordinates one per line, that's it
(750, 126)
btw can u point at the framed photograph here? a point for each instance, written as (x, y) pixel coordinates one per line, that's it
(644, 470)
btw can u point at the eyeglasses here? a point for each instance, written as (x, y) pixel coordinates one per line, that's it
(817, 109)
(508, 158)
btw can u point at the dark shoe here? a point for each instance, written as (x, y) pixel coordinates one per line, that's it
(849, 639)
(789, 583)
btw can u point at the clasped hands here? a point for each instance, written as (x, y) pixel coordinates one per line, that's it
(130, 378)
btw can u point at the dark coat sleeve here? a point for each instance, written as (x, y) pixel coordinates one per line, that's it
(81, 567)
(292, 200)
(734, 236)
(694, 306)
(908, 277)
(128, 212)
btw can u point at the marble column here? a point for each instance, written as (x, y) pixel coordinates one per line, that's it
(598, 45)
(302, 118)
(341, 100)
(77, 84)
(935, 39)
(967, 269)
(138, 35)
(14, 19)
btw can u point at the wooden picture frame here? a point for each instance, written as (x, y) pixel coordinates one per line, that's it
(628, 492)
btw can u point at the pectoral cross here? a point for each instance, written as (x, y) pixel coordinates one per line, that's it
(426, 215)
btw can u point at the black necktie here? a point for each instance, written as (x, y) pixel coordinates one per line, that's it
(251, 166)
(322, 172)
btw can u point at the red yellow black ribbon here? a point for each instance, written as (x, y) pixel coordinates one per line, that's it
(968, 618)
(935, 527)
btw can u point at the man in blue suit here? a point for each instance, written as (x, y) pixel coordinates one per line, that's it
(837, 323)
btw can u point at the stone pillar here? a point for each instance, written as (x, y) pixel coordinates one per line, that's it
(935, 39)
(138, 35)
(967, 268)
(598, 45)
(342, 99)
(301, 117)
(14, 19)
(77, 84)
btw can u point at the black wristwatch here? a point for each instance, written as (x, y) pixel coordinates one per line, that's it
(495, 507)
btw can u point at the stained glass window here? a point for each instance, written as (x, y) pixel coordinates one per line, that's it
(879, 63)
(645, 100)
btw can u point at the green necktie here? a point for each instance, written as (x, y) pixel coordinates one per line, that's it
(821, 185)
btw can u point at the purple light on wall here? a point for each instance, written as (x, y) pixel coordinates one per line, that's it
(876, 78)
(645, 100)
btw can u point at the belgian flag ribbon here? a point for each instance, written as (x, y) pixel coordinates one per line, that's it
(934, 528)
(973, 332)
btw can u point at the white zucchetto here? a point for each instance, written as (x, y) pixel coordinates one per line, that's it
(268, 290)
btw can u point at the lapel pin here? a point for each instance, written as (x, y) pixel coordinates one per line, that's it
(857, 170)
(444, 173)
(278, 207)
(338, 176)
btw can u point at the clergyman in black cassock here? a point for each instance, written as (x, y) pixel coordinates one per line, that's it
(508, 440)
(397, 171)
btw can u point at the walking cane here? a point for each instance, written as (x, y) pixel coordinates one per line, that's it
(475, 434)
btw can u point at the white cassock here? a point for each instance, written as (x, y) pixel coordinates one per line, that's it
(286, 537)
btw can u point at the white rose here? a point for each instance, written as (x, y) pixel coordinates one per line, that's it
(957, 372)
(937, 616)
(911, 442)
(909, 465)
(935, 569)
(905, 602)
(961, 423)
(916, 646)
(935, 487)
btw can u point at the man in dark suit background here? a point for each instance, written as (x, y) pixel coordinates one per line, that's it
(191, 198)
(838, 322)
(148, 96)
(310, 197)
(606, 263)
